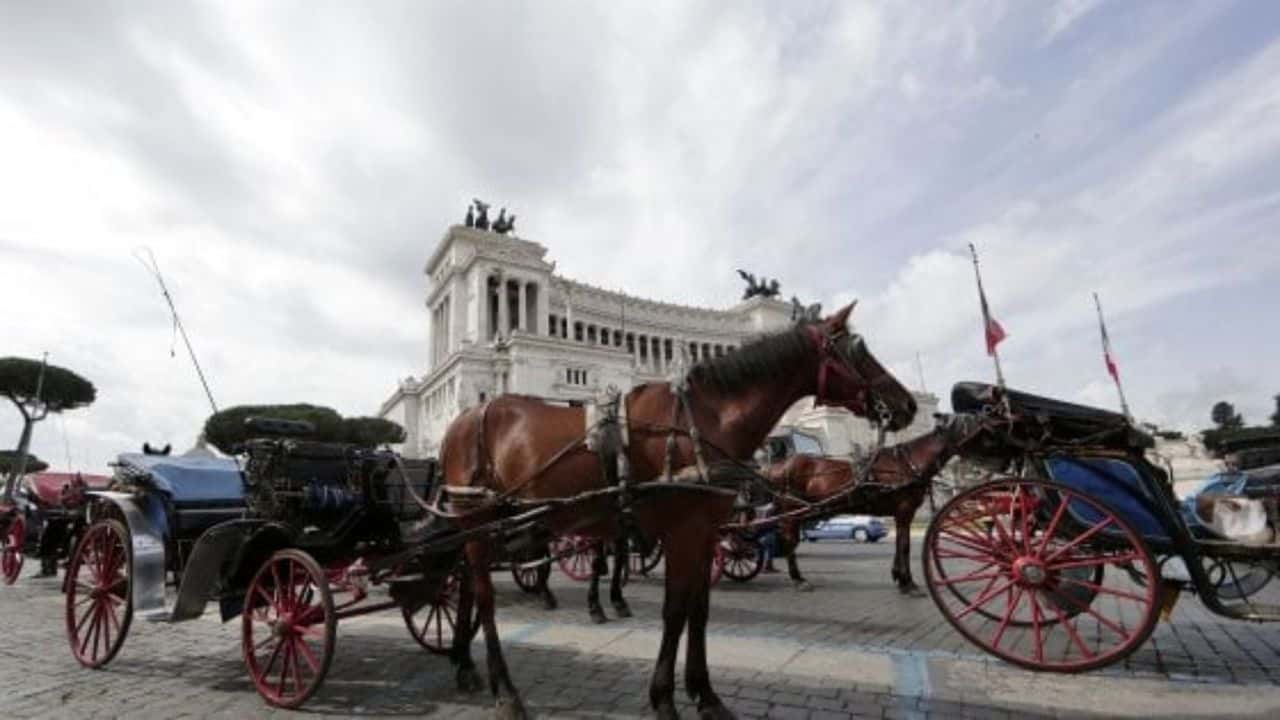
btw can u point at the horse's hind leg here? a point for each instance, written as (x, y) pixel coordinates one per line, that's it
(902, 552)
(599, 568)
(464, 632)
(621, 555)
(508, 705)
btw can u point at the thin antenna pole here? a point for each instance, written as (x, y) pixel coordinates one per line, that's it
(154, 268)
(1112, 368)
(986, 316)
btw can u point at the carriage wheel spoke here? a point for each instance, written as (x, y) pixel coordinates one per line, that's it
(1092, 561)
(309, 656)
(984, 599)
(275, 653)
(1010, 610)
(972, 577)
(1094, 530)
(1051, 528)
(1035, 626)
(989, 549)
(284, 667)
(1070, 625)
(1103, 589)
(297, 670)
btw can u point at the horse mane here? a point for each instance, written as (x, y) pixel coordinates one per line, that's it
(764, 358)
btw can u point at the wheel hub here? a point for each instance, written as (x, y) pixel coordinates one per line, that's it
(1030, 571)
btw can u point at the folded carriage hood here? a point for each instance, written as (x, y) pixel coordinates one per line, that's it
(189, 478)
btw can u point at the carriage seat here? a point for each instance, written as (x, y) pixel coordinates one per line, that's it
(1066, 421)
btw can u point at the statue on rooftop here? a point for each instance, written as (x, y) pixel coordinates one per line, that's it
(482, 215)
(802, 313)
(504, 224)
(762, 288)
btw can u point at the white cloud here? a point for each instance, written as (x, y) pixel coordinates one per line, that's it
(292, 166)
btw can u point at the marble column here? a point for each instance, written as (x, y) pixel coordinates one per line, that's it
(504, 308)
(522, 305)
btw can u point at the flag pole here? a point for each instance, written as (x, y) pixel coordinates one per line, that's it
(986, 318)
(1112, 368)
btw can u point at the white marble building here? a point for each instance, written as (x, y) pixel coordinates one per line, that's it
(500, 320)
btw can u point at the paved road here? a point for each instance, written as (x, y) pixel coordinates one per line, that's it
(852, 648)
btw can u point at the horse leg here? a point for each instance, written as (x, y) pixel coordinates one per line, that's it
(789, 544)
(697, 678)
(463, 633)
(621, 556)
(507, 705)
(902, 553)
(544, 586)
(675, 612)
(599, 567)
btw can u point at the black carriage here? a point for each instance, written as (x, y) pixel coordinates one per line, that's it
(290, 543)
(1066, 557)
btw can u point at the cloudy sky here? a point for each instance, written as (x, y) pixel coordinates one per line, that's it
(291, 165)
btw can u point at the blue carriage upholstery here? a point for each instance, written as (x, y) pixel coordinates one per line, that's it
(1114, 481)
(202, 490)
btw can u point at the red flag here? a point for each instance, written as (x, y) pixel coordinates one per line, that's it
(1112, 369)
(995, 331)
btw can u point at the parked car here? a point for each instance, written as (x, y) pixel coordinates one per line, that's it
(862, 528)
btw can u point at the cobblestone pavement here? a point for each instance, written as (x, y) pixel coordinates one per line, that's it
(851, 648)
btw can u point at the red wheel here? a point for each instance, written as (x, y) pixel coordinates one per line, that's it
(577, 557)
(1032, 590)
(717, 564)
(743, 557)
(434, 624)
(288, 628)
(99, 608)
(11, 542)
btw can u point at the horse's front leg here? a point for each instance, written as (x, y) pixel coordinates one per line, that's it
(544, 586)
(621, 555)
(463, 633)
(902, 552)
(599, 567)
(507, 703)
(789, 544)
(675, 613)
(697, 678)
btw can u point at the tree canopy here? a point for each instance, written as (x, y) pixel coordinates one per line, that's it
(62, 389)
(1224, 415)
(226, 429)
(9, 461)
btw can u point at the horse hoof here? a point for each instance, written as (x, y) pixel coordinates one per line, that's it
(469, 680)
(549, 602)
(666, 710)
(622, 610)
(716, 712)
(912, 591)
(598, 617)
(509, 708)
(804, 586)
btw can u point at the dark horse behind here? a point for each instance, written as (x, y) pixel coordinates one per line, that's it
(894, 481)
(516, 452)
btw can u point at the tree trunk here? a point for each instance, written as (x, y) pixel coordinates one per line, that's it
(20, 464)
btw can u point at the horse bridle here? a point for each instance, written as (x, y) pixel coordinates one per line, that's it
(832, 361)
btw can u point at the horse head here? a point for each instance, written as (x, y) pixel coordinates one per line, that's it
(849, 376)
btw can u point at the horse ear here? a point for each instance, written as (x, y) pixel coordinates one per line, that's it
(840, 321)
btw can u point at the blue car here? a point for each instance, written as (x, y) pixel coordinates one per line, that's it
(862, 528)
(1260, 483)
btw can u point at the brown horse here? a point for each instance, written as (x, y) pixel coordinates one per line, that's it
(897, 482)
(527, 450)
